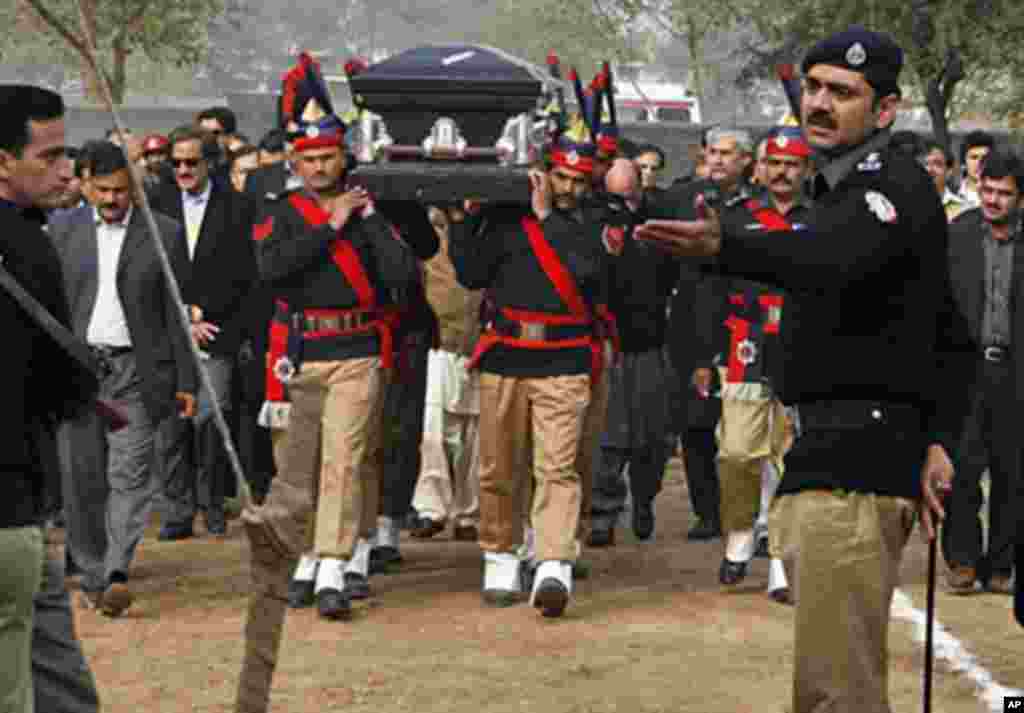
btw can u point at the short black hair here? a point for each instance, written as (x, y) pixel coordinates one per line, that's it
(1002, 163)
(188, 132)
(650, 148)
(224, 116)
(106, 158)
(974, 139)
(932, 144)
(273, 141)
(24, 103)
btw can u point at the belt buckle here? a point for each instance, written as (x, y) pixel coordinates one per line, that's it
(994, 354)
(532, 330)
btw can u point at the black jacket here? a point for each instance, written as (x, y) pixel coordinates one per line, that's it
(491, 251)
(295, 262)
(223, 267)
(40, 383)
(873, 330)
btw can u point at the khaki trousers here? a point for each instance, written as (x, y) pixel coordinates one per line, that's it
(549, 413)
(330, 457)
(21, 569)
(751, 429)
(842, 554)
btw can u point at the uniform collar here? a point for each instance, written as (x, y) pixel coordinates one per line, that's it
(835, 170)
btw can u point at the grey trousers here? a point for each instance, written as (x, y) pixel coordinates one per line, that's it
(203, 483)
(112, 478)
(61, 677)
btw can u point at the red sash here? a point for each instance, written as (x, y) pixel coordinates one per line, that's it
(770, 218)
(278, 344)
(351, 266)
(568, 292)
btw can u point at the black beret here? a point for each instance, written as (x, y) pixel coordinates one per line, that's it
(858, 49)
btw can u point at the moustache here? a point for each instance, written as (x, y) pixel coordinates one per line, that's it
(821, 119)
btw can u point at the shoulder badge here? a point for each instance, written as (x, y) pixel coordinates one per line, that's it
(881, 206)
(871, 162)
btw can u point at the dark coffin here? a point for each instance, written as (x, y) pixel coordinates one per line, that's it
(479, 87)
(442, 182)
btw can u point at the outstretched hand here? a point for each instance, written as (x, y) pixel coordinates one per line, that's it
(685, 238)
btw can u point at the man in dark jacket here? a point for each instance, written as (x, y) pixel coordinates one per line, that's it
(879, 366)
(40, 383)
(218, 228)
(987, 264)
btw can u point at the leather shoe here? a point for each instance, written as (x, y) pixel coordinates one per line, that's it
(643, 520)
(116, 599)
(427, 528)
(961, 579)
(301, 593)
(173, 531)
(762, 548)
(356, 586)
(332, 604)
(551, 598)
(601, 537)
(999, 584)
(216, 521)
(465, 533)
(732, 573)
(703, 530)
(383, 559)
(782, 595)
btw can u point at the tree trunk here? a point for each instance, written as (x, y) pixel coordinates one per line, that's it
(694, 42)
(118, 82)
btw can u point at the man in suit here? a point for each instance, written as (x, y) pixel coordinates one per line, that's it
(218, 225)
(987, 266)
(121, 307)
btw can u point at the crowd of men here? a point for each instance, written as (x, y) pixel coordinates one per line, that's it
(802, 328)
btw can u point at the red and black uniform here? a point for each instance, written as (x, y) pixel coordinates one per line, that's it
(514, 257)
(354, 280)
(743, 317)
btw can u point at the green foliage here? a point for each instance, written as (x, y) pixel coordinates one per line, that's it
(164, 32)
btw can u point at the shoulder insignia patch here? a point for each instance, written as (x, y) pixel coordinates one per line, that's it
(872, 162)
(881, 206)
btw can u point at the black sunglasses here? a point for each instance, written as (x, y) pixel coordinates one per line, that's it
(190, 162)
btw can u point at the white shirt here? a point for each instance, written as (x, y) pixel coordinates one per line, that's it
(194, 206)
(107, 325)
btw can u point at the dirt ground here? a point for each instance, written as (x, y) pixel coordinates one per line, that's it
(649, 632)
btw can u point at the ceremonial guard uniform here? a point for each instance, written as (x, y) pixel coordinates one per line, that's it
(539, 356)
(339, 292)
(752, 433)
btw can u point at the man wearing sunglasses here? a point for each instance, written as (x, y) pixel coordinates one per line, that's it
(217, 227)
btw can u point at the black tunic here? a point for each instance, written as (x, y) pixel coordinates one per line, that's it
(491, 251)
(295, 263)
(872, 328)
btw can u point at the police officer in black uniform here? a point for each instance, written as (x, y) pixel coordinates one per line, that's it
(879, 365)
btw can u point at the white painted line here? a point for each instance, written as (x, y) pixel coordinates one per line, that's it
(954, 654)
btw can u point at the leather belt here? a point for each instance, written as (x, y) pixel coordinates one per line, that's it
(539, 331)
(995, 354)
(843, 415)
(108, 352)
(340, 322)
